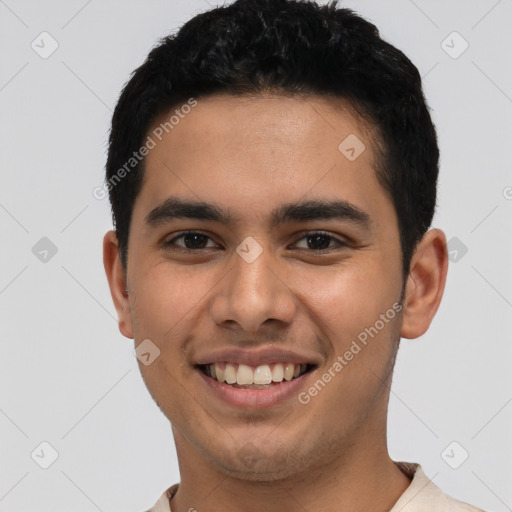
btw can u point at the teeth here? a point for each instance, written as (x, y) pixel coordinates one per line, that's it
(262, 375)
(229, 374)
(218, 372)
(244, 375)
(278, 373)
(289, 370)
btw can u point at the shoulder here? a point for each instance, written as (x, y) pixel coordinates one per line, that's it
(421, 496)
(163, 503)
(424, 496)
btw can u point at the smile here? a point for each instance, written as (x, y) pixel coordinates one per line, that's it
(254, 377)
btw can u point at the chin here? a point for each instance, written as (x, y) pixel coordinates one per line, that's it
(251, 464)
(265, 472)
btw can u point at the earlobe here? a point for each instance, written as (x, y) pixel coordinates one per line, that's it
(117, 282)
(425, 284)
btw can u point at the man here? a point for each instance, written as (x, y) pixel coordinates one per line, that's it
(272, 170)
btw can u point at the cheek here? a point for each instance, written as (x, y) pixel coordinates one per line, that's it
(346, 298)
(165, 298)
(359, 370)
(164, 309)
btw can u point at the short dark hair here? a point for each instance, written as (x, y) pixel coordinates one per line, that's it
(292, 48)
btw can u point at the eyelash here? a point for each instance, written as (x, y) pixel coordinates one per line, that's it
(341, 243)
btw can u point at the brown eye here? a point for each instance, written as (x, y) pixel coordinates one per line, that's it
(320, 241)
(191, 240)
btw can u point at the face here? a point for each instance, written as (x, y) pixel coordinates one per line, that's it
(263, 254)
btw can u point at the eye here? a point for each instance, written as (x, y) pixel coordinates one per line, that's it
(321, 241)
(318, 242)
(191, 240)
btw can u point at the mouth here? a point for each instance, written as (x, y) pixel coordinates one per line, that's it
(265, 376)
(256, 379)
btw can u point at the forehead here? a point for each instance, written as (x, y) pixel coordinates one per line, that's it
(317, 123)
(243, 149)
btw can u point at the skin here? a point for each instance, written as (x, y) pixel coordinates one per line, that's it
(250, 155)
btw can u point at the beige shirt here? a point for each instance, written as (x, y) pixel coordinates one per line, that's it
(421, 496)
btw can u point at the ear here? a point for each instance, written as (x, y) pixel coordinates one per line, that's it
(425, 284)
(117, 282)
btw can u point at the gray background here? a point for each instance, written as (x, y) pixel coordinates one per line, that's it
(70, 379)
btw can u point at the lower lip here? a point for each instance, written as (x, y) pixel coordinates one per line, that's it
(255, 398)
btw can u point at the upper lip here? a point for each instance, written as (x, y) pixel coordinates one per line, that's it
(256, 356)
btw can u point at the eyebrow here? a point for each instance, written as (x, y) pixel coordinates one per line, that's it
(176, 208)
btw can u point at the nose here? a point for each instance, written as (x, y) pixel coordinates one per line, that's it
(253, 294)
